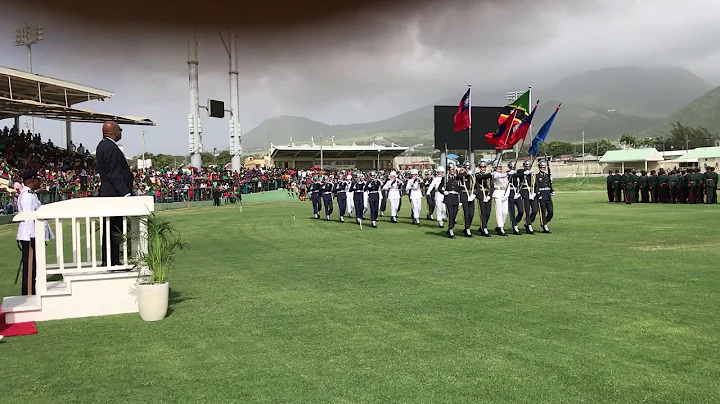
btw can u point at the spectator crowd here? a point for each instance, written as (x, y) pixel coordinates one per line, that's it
(70, 173)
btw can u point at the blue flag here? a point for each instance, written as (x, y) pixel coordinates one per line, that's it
(542, 134)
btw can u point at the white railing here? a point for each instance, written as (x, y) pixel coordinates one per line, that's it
(85, 217)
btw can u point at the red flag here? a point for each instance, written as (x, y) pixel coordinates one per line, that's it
(462, 116)
(520, 132)
(501, 133)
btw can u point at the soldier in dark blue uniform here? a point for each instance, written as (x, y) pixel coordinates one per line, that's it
(544, 191)
(515, 203)
(450, 189)
(340, 190)
(358, 190)
(467, 197)
(530, 203)
(327, 197)
(373, 189)
(429, 197)
(315, 191)
(483, 194)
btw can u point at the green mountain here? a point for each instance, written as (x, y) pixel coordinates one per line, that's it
(644, 91)
(703, 111)
(604, 103)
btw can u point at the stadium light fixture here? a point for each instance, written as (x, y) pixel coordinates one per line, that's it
(28, 35)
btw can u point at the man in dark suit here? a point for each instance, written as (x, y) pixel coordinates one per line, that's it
(116, 180)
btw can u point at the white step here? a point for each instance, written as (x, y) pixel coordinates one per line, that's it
(77, 295)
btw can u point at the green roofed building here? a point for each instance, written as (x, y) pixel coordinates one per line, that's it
(699, 157)
(637, 159)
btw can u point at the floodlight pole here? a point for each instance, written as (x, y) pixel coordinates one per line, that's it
(28, 35)
(194, 124)
(235, 129)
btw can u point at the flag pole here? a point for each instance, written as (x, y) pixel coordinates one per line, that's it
(470, 125)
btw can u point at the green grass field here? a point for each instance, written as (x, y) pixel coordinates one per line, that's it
(620, 304)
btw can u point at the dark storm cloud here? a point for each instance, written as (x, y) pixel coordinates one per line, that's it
(361, 66)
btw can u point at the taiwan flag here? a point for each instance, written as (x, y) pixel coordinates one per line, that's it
(462, 116)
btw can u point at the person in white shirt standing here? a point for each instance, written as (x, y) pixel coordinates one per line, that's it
(393, 186)
(29, 202)
(415, 194)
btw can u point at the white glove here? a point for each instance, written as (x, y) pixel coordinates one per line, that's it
(486, 199)
(471, 197)
(512, 172)
(517, 196)
(532, 196)
(528, 172)
(446, 193)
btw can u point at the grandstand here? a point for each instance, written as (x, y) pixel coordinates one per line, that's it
(29, 94)
(335, 157)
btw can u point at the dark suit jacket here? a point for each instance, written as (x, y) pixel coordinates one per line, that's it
(116, 179)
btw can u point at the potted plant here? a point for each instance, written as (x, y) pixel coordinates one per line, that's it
(152, 289)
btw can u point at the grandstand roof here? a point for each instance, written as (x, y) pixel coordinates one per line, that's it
(336, 151)
(629, 155)
(17, 84)
(10, 108)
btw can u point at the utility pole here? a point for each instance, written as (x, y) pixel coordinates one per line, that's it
(235, 129)
(195, 125)
(583, 153)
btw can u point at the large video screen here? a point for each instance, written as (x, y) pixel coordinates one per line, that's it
(484, 120)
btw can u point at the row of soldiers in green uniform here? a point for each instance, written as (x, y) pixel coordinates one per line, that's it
(675, 186)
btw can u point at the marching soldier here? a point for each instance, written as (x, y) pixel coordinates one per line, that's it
(29, 202)
(692, 186)
(674, 187)
(340, 191)
(393, 187)
(617, 186)
(414, 191)
(327, 197)
(662, 186)
(610, 187)
(710, 179)
(515, 204)
(350, 195)
(500, 185)
(434, 190)
(637, 187)
(483, 192)
(653, 184)
(450, 189)
(529, 197)
(698, 185)
(467, 197)
(643, 187)
(358, 189)
(429, 197)
(629, 186)
(316, 195)
(544, 191)
(373, 190)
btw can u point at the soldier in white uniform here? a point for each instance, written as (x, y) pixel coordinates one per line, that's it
(434, 188)
(414, 190)
(393, 186)
(500, 195)
(350, 199)
(29, 202)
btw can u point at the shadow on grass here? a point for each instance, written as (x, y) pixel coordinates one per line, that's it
(175, 297)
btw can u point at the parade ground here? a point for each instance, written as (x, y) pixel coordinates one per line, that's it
(619, 304)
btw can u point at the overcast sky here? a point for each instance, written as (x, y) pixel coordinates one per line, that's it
(362, 68)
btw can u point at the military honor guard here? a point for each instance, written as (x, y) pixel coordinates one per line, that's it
(373, 196)
(611, 187)
(26, 238)
(340, 190)
(617, 186)
(358, 189)
(350, 195)
(515, 203)
(467, 197)
(710, 180)
(544, 191)
(433, 190)
(483, 192)
(629, 186)
(527, 190)
(393, 187)
(450, 189)
(429, 197)
(327, 196)
(414, 191)
(315, 191)
(500, 196)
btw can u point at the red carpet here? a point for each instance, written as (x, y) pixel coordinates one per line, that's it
(16, 330)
